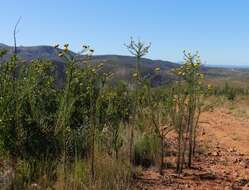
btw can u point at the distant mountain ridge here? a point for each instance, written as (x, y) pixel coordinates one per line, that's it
(29, 53)
(123, 66)
(32, 52)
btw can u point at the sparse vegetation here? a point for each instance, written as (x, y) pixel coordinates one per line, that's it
(91, 133)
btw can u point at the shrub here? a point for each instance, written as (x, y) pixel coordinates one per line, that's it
(146, 150)
(231, 94)
(111, 174)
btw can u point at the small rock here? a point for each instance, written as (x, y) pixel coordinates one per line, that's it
(240, 183)
(232, 150)
(243, 182)
(207, 176)
(215, 154)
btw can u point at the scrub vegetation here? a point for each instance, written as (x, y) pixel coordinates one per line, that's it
(91, 133)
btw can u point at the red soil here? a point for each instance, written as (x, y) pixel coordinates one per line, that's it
(222, 163)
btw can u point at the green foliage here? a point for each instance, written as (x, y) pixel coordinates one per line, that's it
(146, 150)
(186, 107)
(117, 113)
(229, 92)
(66, 137)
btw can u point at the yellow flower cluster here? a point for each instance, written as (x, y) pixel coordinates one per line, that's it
(66, 46)
(210, 87)
(100, 65)
(190, 69)
(61, 54)
(135, 75)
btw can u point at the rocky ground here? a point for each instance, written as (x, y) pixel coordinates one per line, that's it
(222, 161)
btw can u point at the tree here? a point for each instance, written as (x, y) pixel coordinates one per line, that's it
(138, 49)
(187, 106)
(118, 112)
(159, 114)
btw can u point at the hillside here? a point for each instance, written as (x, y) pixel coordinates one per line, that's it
(80, 133)
(123, 66)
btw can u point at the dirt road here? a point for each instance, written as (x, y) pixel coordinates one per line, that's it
(223, 162)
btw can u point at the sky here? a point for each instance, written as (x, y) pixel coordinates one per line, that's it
(217, 29)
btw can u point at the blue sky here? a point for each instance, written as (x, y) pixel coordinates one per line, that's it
(218, 29)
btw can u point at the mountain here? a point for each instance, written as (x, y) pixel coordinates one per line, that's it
(50, 53)
(3, 45)
(123, 66)
(33, 52)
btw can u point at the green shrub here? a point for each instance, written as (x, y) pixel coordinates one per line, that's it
(146, 150)
(231, 94)
(111, 174)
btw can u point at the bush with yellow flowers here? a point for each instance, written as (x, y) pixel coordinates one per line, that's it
(63, 136)
(188, 93)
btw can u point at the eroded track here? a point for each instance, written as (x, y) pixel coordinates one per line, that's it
(223, 162)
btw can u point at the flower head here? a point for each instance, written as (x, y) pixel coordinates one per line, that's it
(66, 45)
(61, 54)
(100, 65)
(209, 86)
(135, 75)
(201, 76)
